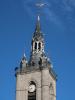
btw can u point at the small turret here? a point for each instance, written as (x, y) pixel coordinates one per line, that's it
(23, 62)
(38, 32)
(38, 27)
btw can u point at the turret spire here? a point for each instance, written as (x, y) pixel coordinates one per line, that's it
(38, 18)
(38, 26)
(23, 62)
(38, 40)
(24, 55)
(38, 57)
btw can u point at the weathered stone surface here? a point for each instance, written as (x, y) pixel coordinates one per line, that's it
(42, 79)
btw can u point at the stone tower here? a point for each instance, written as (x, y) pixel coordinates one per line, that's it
(36, 79)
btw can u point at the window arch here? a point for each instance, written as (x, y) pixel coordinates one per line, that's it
(32, 91)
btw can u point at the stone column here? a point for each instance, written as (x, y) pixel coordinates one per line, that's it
(45, 84)
(26, 95)
(21, 93)
(38, 93)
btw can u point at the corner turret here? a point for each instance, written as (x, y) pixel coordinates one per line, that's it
(23, 62)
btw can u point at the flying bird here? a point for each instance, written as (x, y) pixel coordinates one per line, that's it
(40, 4)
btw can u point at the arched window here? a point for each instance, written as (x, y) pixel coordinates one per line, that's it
(32, 91)
(35, 45)
(51, 92)
(39, 46)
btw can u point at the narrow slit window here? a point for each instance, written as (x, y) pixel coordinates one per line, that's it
(35, 46)
(39, 46)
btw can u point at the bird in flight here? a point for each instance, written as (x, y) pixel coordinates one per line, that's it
(40, 4)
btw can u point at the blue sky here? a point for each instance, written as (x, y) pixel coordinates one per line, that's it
(17, 25)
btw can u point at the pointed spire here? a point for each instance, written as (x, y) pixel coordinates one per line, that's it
(23, 62)
(38, 18)
(24, 55)
(24, 58)
(38, 32)
(38, 28)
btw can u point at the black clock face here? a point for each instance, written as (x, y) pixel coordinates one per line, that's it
(31, 88)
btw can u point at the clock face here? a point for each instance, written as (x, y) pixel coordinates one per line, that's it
(31, 88)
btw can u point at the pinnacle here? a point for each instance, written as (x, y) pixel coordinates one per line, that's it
(38, 32)
(38, 18)
(38, 24)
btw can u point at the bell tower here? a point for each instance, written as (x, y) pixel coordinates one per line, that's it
(36, 79)
(38, 41)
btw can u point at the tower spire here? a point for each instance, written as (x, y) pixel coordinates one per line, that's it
(39, 5)
(24, 55)
(37, 32)
(38, 26)
(38, 57)
(38, 18)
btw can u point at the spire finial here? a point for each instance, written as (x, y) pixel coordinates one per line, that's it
(38, 28)
(24, 54)
(38, 18)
